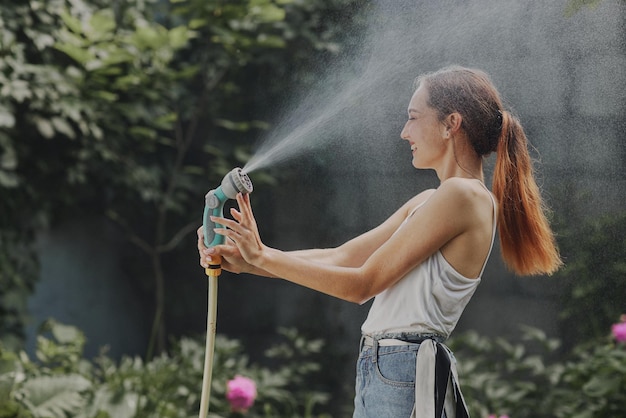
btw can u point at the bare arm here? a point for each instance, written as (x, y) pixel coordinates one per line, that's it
(350, 254)
(443, 218)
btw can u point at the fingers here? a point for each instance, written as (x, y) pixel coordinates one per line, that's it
(236, 235)
(201, 245)
(243, 200)
(228, 223)
(236, 214)
(202, 249)
(206, 255)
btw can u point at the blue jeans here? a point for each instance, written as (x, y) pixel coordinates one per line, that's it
(385, 382)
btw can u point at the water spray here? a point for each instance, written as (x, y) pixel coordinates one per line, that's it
(236, 181)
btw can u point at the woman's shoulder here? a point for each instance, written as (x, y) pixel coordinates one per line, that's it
(464, 189)
(455, 192)
(468, 197)
(417, 201)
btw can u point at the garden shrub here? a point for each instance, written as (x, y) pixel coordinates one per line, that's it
(595, 267)
(499, 378)
(533, 379)
(61, 383)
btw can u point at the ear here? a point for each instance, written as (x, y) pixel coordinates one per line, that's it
(452, 123)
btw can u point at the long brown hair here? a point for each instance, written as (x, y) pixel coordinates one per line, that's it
(527, 243)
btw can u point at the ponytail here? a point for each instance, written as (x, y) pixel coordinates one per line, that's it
(527, 242)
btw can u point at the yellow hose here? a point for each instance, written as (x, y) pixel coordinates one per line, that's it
(213, 274)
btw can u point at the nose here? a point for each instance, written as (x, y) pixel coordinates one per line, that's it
(404, 134)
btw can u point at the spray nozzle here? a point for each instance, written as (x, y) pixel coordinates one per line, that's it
(236, 181)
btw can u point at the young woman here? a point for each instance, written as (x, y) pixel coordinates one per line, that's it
(423, 264)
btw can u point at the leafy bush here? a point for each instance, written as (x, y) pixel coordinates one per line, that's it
(61, 383)
(531, 380)
(521, 380)
(595, 254)
(129, 109)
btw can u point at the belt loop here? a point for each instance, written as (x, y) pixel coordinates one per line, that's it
(375, 350)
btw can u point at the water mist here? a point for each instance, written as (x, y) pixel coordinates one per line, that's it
(558, 73)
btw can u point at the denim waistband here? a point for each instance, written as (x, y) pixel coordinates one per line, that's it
(369, 340)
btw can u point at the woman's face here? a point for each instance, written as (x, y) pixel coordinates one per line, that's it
(424, 132)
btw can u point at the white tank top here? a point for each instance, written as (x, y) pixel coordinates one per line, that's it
(428, 300)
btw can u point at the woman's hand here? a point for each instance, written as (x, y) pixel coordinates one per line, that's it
(231, 258)
(242, 232)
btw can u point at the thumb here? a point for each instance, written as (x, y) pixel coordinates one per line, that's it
(225, 250)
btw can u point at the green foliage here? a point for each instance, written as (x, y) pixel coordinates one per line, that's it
(504, 378)
(55, 396)
(526, 379)
(532, 379)
(60, 384)
(595, 256)
(35, 101)
(131, 110)
(18, 270)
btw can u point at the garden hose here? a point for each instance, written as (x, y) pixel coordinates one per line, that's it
(236, 181)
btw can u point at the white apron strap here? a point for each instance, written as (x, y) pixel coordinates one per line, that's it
(436, 383)
(425, 380)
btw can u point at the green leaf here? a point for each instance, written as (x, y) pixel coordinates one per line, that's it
(71, 22)
(179, 36)
(18, 89)
(102, 25)
(143, 131)
(44, 126)
(106, 95)
(268, 13)
(8, 159)
(271, 41)
(601, 386)
(9, 370)
(109, 404)
(232, 125)
(149, 37)
(55, 396)
(7, 120)
(78, 54)
(62, 126)
(196, 23)
(65, 334)
(8, 180)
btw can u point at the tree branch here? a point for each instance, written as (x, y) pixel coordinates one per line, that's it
(132, 236)
(173, 242)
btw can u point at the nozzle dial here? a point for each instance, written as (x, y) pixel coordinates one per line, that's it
(236, 181)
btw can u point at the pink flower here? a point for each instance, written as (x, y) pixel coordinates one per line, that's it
(240, 392)
(619, 332)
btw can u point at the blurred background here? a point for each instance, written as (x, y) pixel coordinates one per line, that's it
(117, 117)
